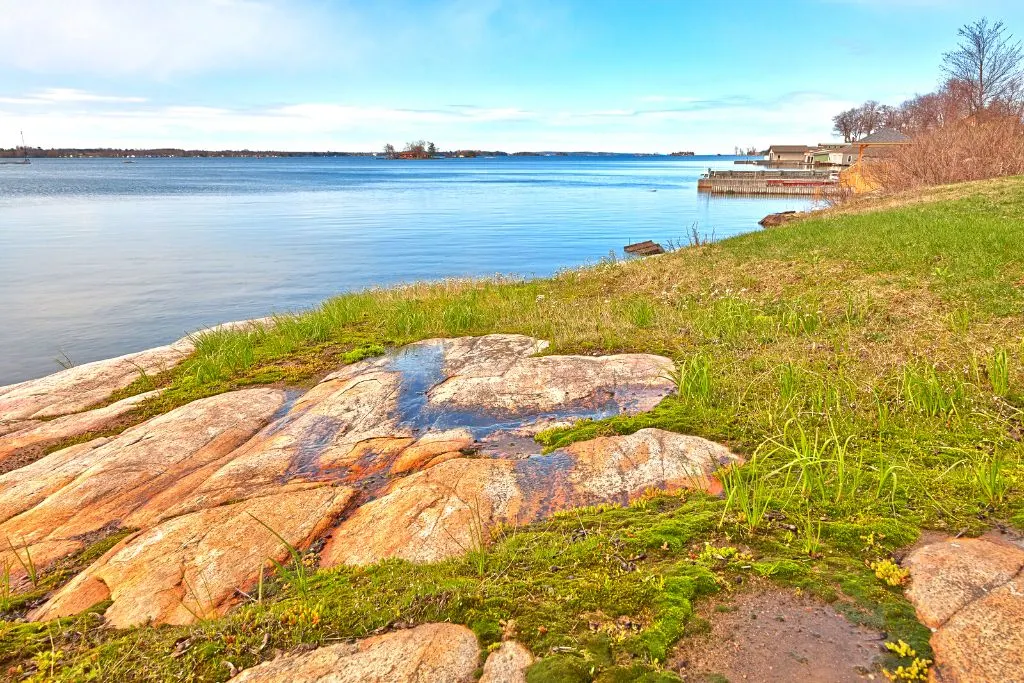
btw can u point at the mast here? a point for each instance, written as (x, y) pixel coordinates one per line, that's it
(24, 149)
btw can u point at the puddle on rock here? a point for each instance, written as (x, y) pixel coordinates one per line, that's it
(422, 369)
(497, 432)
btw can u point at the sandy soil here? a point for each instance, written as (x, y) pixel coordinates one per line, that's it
(776, 636)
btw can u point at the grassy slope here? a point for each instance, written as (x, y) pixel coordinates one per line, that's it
(867, 363)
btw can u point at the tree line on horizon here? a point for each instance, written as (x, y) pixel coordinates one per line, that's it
(970, 128)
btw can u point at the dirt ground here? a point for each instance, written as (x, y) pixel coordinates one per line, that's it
(776, 636)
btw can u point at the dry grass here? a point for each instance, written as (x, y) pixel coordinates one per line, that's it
(964, 151)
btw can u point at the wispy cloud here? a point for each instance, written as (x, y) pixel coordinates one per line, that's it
(148, 37)
(51, 96)
(78, 118)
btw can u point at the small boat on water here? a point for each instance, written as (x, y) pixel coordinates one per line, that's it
(19, 162)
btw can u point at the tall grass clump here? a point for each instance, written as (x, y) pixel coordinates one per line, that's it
(999, 373)
(693, 379)
(749, 491)
(925, 393)
(789, 381)
(640, 313)
(990, 479)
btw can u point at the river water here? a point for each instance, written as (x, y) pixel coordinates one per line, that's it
(100, 258)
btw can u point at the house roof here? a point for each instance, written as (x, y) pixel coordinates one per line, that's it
(885, 136)
(789, 148)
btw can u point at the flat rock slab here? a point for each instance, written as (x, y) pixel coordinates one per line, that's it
(192, 566)
(449, 509)
(970, 592)
(444, 653)
(416, 455)
(83, 386)
(777, 636)
(51, 505)
(37, 434)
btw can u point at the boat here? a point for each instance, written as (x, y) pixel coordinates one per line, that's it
(23, 161)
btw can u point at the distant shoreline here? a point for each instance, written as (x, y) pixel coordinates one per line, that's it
(160, 153)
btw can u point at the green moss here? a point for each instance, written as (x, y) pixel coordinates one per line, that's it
(560, 669)
(635, 674)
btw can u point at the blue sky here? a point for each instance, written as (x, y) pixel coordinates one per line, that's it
(615, 75)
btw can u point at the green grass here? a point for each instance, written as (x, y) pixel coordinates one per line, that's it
(867, 365)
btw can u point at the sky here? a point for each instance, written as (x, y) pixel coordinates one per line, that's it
(599, 75)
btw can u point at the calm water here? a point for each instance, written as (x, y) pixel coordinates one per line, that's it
(100, 258)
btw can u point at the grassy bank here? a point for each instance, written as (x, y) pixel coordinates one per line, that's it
(868, 364)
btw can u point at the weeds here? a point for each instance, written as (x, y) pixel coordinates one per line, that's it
(925, 393)
(27, 565)
(64, 361)
(810, 536)
(891, 573)
(916, 670)
(748, 490)
(296, 575)
(693, 380)
(990, 481)
(999, 373)
(6, 591)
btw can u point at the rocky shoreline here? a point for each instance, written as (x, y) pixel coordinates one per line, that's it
(420, 454)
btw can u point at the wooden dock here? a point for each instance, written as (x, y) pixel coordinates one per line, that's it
(802, 183)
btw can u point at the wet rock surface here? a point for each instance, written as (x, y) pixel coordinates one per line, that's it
(970, 592)
(416, 454)
(432, 652)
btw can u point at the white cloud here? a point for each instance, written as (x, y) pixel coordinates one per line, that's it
(82, 119)
(150, 37)
(51, 96)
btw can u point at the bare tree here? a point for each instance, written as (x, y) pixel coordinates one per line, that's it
(855, 123)
(389, 151)
(845, 124)
(988, 62)
(869, 117)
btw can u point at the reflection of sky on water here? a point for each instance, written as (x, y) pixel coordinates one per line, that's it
(99, 258)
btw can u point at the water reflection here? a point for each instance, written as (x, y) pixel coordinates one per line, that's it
(99, 258)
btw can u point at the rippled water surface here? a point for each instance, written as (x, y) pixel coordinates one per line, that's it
(100, 258)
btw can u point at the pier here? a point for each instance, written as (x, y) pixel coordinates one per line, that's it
(802, 183)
